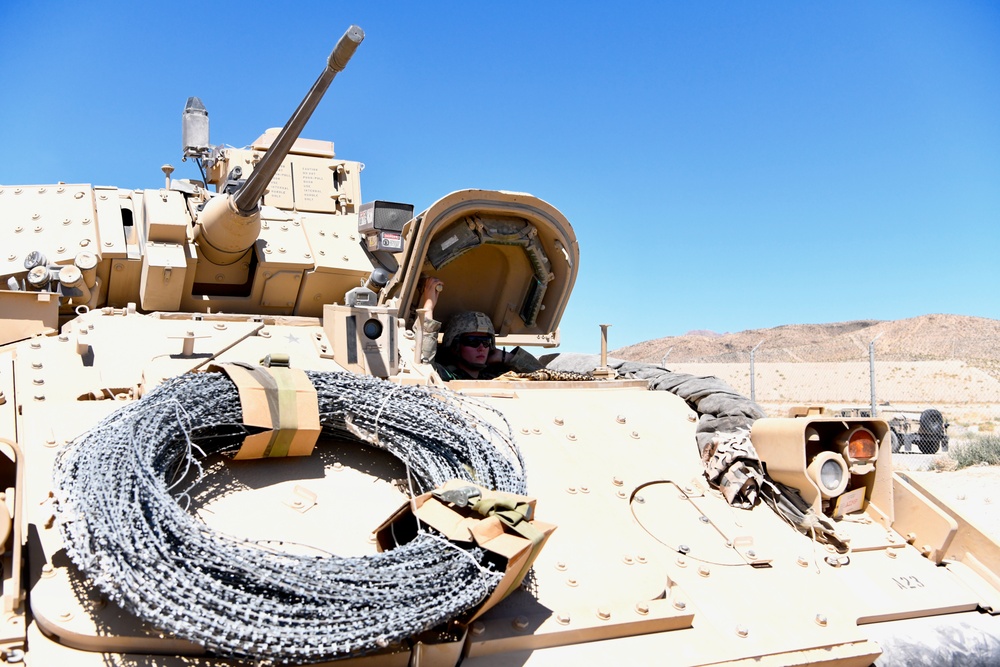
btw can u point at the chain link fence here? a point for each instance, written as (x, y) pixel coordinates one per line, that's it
(885, 378)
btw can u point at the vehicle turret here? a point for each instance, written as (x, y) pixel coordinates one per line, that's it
(228, 225)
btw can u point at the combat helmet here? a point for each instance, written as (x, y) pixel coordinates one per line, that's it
(469, 321)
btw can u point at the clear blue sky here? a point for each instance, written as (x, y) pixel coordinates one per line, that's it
(726, 165)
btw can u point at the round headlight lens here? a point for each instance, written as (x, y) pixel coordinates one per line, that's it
(831, 474)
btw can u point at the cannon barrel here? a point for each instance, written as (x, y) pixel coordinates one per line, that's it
(247, 197)
(228, 226)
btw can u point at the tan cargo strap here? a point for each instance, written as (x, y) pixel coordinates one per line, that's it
(514, 515)
(280, 400)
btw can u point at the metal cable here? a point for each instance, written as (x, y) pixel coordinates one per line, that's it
(122, 494)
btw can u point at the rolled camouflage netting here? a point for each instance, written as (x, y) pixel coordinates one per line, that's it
(123, 486)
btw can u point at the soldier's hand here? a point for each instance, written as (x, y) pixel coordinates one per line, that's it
(432, 288)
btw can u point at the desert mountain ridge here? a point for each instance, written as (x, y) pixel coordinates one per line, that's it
(974, 340)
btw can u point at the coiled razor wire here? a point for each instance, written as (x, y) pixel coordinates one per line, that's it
(121, 488)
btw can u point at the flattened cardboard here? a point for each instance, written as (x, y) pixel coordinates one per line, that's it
(298, 426)
(488, 532)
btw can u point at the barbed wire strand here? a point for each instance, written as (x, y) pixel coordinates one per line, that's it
(119, 505)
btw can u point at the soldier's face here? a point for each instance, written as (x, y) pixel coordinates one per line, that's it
(474, 350)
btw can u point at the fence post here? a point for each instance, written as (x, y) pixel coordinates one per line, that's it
(753, 388)
(871, 373)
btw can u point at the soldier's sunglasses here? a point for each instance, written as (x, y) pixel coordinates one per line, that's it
(476, 340)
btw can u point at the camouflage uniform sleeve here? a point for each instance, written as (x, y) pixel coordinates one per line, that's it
(520, 361)
(430, 341)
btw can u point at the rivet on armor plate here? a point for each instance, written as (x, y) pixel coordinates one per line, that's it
(17, 191)
(536, 431)
(572, 583)
(821, 620)
(703, 519)
(267, 251)
(751, 553)
(61, 249)
(478, 627)
(86, 221)
(571, 437)
(571, 490)
(561, 566)
(640, 559)
(108, 244)
(284, 228)
(38, 381)
(338, 466)
(628, 560)
(803, 561)
(692, 417)
(891, 553)
(617, 481)
(704, 570)
(742, 630)
(220, 326)
(620, 419)
(84, 243)
(67, 221)
(346, 258)
(584, 489)
(38, 228)
(47, 570)
(681, 562)
(641, 608)
(520, 623)
(35, 216)
(525, 431)
(281, 250)
(35, 345)
(603, 613)
(640, 500)
(18, 229)
(307, 255)
(621, 494)
(684, 549)
(634, 435)
(11, 257)
(78, 195)
(562, 619)
(680, 605)
(558, 421)
(63, 338)
(65, 616)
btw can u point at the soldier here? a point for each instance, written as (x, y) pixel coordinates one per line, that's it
(468, 350)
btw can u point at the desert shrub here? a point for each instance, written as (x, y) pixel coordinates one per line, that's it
(981, 449)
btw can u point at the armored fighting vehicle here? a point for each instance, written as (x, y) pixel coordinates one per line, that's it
(223, 444)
